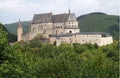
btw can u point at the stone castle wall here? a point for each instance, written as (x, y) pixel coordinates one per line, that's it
(65, 27)
(50, 28)
(82, 39)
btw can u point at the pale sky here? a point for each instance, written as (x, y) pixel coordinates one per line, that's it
(12, 10)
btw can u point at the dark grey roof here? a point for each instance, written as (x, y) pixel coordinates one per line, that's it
(61, 35)
(48, 17)
(59, 18)
(104, 34)
(72, 17)
(94, 33)
(42, 18)
(71, 28)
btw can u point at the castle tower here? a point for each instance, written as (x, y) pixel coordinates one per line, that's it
(19, 31)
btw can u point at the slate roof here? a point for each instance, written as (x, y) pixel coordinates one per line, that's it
(61, 35)
(59, 18)
(95, 33)
(72, 17)
(48, 17)
(42, 18)
(104, 34)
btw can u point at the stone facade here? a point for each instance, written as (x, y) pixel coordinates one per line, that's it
(99, 38)
(48, 23)
(19, 31)
(61, 28)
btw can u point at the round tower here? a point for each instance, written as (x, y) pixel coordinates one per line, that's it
(19, 31)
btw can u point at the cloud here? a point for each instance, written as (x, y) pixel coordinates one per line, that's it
(25, 9)
(47, 4)
(8, 4)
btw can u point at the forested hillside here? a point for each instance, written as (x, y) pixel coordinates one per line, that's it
(37, 60)
(13, 27)
(99, 22)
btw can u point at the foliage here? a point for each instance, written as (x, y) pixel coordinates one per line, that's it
(113, 30)
(36, 60)
(11, 37)
(4, 47)
(99, 22)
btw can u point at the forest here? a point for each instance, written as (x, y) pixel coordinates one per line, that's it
(37, 60)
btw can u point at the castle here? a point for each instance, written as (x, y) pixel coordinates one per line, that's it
(61, 28)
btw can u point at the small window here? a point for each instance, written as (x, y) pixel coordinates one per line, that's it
(70, 31)
(56, 31)
(103, 35)
(44, 31)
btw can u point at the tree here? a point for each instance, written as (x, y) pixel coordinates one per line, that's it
(5, 49)
(114, 31)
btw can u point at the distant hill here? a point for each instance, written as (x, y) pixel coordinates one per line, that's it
(13, 27)
(93, 22)
(99, 22)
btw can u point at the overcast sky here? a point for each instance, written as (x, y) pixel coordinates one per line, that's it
(12, 10)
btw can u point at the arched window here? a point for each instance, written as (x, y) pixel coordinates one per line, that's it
(56, 31)
(70, 31)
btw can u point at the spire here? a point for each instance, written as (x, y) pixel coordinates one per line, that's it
(19, 23)
(69, 9)
(19, 31)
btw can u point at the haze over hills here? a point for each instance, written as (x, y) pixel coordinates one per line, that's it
(93, 22)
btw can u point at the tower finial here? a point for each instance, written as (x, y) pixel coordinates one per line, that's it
(69, 9)
(19, 23)
(19, 19)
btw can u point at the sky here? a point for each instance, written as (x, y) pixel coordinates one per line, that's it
(13, 10)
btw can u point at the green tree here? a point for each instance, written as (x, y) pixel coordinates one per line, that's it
(114, 31)
(5, 49)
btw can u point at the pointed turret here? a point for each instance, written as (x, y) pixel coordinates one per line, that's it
(19, 23)
(19, 31)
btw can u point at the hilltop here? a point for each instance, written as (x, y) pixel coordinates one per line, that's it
(99, 22)
(92, 22)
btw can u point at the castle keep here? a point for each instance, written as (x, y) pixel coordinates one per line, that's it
(61, 28)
